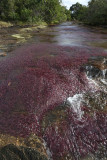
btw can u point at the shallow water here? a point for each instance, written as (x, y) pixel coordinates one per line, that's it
(55, 86)
(69, 34)
(65, 34)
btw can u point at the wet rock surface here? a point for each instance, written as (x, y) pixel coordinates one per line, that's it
(15, 36)
(11, 152)
(93, 72)
(97, 69)
(31, 147)
(2, 54)
(97, 100)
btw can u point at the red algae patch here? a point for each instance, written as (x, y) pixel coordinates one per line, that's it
(36, 82)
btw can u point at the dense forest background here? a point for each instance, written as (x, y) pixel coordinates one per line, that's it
(94, 14)
(51, 11)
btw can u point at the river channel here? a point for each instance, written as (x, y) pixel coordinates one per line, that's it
(66, 34)
(53, 92)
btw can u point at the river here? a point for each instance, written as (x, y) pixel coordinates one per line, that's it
(53, 85)
(65, 34)
(69, 34)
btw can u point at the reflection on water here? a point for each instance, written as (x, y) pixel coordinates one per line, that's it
(65, 34)
(69, 34)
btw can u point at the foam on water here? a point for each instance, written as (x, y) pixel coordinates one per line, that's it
(104, 80)
(75, 104)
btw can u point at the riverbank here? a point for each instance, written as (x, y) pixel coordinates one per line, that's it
(88, 25)
(68, 33)
(4, 24)
(15, 35)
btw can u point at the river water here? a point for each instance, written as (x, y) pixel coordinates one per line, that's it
(74, 35)
(55, 87)
(65, 34)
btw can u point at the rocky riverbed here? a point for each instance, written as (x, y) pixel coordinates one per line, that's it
(53, 94)
(56, 96)
(15, 36)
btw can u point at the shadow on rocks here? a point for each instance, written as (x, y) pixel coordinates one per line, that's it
(12, 152)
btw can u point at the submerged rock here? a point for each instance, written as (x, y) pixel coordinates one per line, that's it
(12, 152)
(32, 144)
(96, 69)
(2, 54)
(96, 101)
(93, 72)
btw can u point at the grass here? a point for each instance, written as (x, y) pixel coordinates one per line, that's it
(5, 24)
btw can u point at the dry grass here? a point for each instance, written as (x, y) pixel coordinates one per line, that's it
(5, 24)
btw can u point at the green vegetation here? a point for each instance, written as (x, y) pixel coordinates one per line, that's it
(33, 11)
(5, 24)
(94, 14)
(52, 12)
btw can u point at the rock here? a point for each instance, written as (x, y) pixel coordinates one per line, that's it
(6, 139)
(98, 62)
(32, 142)
(54, 117)
(96, 101)
(93, 72)
(36, 143)
(12, 152)
(18, 36)
(2, 54)
(97, 69)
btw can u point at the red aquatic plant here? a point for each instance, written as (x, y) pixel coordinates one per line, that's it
(38, 78)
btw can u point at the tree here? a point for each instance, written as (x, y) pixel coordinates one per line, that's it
(97, 12)
(51, 10)
(75, 10)
(94, 14)
(78, 12)
(7, 9)
(68, 14)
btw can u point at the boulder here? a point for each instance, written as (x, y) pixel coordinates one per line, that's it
(12, 152)
(2, 54)
(93, 72)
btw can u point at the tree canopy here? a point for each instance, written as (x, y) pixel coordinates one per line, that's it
(49, 11)
(95, 13)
